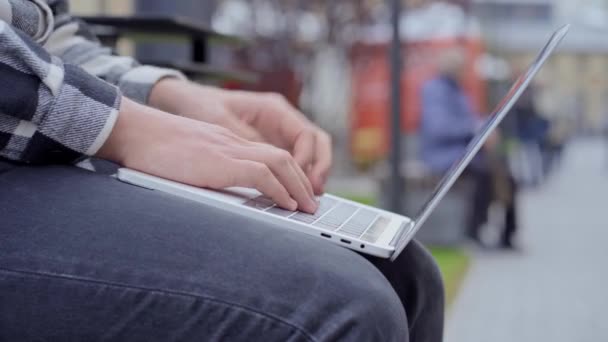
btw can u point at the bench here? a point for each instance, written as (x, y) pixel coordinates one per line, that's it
(151, 29)
(447, 225)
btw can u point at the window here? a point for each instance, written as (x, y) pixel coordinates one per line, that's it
(510, 11)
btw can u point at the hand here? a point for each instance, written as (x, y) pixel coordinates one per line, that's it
(200, 103)
(204, 155)
(282, 125)
(253, 116)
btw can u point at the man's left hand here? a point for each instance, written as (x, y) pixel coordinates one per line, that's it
(265, 117)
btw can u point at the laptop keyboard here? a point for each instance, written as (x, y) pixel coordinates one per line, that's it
(332, 215)
(357, 224)
(325, 205)
(335, 218)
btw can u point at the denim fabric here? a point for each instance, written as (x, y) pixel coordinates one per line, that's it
(84, 257)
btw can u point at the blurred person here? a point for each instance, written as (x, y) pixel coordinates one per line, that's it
(85, 257)
(561, 133)
(531, 132)
(448, 124)
(604, 135)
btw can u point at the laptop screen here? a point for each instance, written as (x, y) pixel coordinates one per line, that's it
(491, 123)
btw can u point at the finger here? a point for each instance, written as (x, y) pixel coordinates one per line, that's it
(294, 129)
(284, 167)
(304, 178)
(304, 148)
(256, 175)
(293, 178)
(323, 161)
(301, 174)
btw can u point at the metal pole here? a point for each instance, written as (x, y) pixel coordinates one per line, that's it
(396, 188)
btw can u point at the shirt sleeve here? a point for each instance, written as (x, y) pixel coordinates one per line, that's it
(73, 41)
(50, 111)
(33, 17)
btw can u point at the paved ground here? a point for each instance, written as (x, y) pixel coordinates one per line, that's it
(556, 289)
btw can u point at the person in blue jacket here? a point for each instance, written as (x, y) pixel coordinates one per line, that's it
(448, 123)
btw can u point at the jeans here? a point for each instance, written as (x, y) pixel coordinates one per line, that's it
(84, 257)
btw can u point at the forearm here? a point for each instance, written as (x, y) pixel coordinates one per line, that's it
(50, 111)
(114, 148)
(136, 125)
(203, 155)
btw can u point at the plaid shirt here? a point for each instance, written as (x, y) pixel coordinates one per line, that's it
(60, 88)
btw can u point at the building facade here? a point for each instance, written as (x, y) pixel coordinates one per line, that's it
(575, 83)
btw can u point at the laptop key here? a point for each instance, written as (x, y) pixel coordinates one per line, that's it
(338, 215)
(374, 232)
(256, 203)
(280, 212)
(330, 227)
(265, 201)
(324, 205)
(304, 218)
(357, 224)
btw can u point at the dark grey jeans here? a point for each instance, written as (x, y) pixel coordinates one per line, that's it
(84, 257)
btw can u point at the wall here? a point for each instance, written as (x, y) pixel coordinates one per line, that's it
(106, 7)
(574, 85)
(93, 7)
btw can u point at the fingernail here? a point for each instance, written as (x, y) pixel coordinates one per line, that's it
(293, 205)
(313, 205)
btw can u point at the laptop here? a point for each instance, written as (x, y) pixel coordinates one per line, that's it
(352, 225)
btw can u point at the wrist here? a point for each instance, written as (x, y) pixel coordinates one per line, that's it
(136, 127)
(114, 148)
(166, 93)
(179, 97)
(140, 129)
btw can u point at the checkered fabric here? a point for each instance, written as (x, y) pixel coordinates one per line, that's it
(60, 89)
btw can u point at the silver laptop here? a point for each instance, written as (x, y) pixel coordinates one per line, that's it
(340, 221)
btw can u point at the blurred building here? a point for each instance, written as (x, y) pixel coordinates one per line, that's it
(92, 7)
(106, 7)
(575, 83)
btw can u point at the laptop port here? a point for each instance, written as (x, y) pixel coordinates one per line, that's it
(326, 235)
(362, 246)
(345, 241)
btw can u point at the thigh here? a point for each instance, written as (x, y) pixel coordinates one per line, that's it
(85, 254)
(417, 279)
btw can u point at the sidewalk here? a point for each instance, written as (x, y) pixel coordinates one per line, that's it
(556, 289)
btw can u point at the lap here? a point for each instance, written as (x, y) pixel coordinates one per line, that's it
(133, 259)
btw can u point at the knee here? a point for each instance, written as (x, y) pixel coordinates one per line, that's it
(358, 303)
(422, 260)
(425, 279)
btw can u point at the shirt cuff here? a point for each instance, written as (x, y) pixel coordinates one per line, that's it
(81, 115)
(138, 82)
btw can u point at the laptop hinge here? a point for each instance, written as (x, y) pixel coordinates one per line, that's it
(402, 230)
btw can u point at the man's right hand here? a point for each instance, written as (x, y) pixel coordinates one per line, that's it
(204, 155)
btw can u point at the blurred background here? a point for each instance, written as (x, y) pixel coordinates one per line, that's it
(520, 239)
